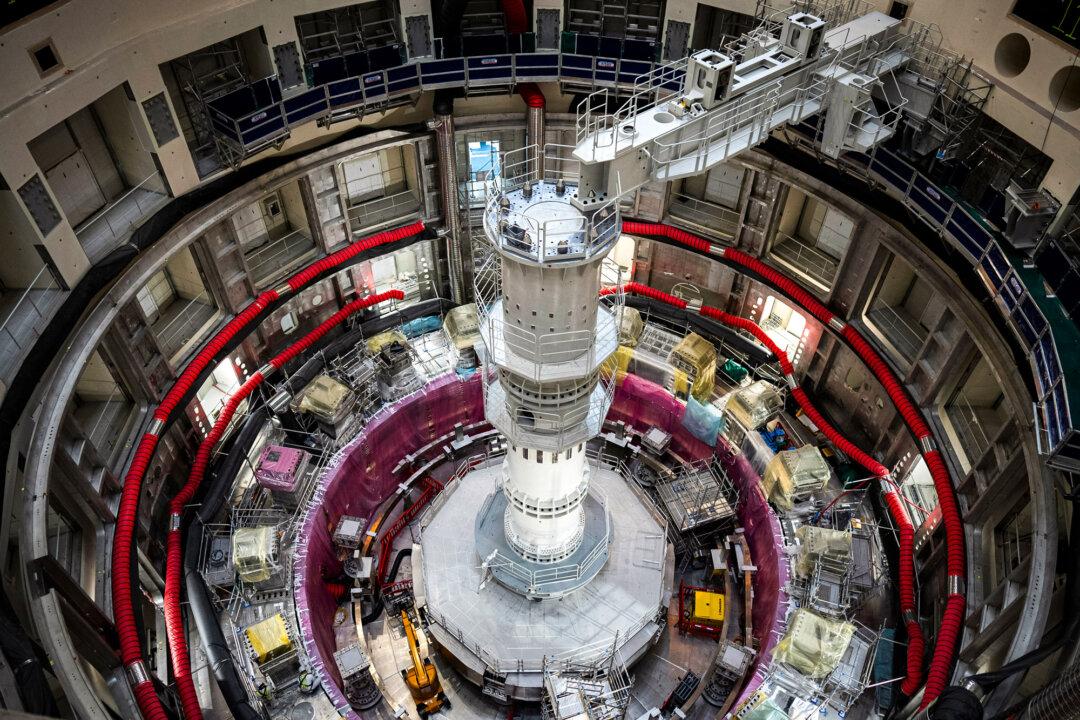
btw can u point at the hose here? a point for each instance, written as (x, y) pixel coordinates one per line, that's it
(952, 618)
(174, 621)
(1057, 700)
(916, 643)
(124, 580)
(200, 606)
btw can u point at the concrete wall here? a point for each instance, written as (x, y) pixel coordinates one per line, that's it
(185, 275)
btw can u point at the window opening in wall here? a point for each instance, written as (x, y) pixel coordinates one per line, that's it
(198, 78)
(918, 489)
(409, 270)
(785, 326)
(96, 163)
(904, 309)
(380, 188)
(217, 389)
(103, 409)
(622, 254)
(177, 305)
(65, 541)
(346, 30)
(710, 200)
(274, 235)
(811, 238)
(1012, 541)
(484, 165)
(975, 413)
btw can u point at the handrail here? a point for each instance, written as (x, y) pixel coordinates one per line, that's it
(81, 230)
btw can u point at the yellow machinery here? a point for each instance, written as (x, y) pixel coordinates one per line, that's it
(422, 678)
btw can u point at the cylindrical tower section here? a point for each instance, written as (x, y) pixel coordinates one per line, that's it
(547, 335)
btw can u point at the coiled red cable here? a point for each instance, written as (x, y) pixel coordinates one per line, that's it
(127, 514)
(174, 621)
(916, 645)
(952, 619)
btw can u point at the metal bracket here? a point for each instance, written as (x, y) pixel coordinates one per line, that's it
(137, 673)
(955, 585)
(927, 443)
(156, 426)
(837, 324)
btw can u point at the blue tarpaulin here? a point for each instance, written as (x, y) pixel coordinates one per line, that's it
(703, 421)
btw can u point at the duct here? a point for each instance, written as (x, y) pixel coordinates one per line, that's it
(443, 125)
(198, 595)
(534, 120)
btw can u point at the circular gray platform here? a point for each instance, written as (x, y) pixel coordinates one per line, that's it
(542, 580)
(491, 631)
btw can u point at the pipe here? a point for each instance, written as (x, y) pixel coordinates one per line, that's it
(516, 20)
(200, 607)
(443, 125)
(916, 642)
(534, 117)
(124, 582)
(952, 617)
(174, 622)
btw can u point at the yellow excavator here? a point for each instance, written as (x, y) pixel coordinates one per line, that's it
(422, 678)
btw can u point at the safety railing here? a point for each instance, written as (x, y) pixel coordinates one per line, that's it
(28, 315)
(540, 581)
(251, 115)
(571, 235)
(751, 114)
(370, 213)
(126, 212)
(543, 429)
(579, 347)
(585, 653)
(805, 259)
(716, 218)
(186, 324)
(276, 257)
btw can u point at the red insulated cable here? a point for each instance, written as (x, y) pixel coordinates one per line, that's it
(916, 642)
(127, 514)
(945, 648)
(174, 621)
(674, 233)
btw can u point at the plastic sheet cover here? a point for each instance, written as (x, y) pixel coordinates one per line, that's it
(813, 645)
(793, 474)
(630, 326)
(696, 356)
(421, 326)
(254, 553)
(754, 404)
(462, 326)
(767, 710)
(815, 542)
(703, 421)
(375, 343)
(269, 638)
(325, 398)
